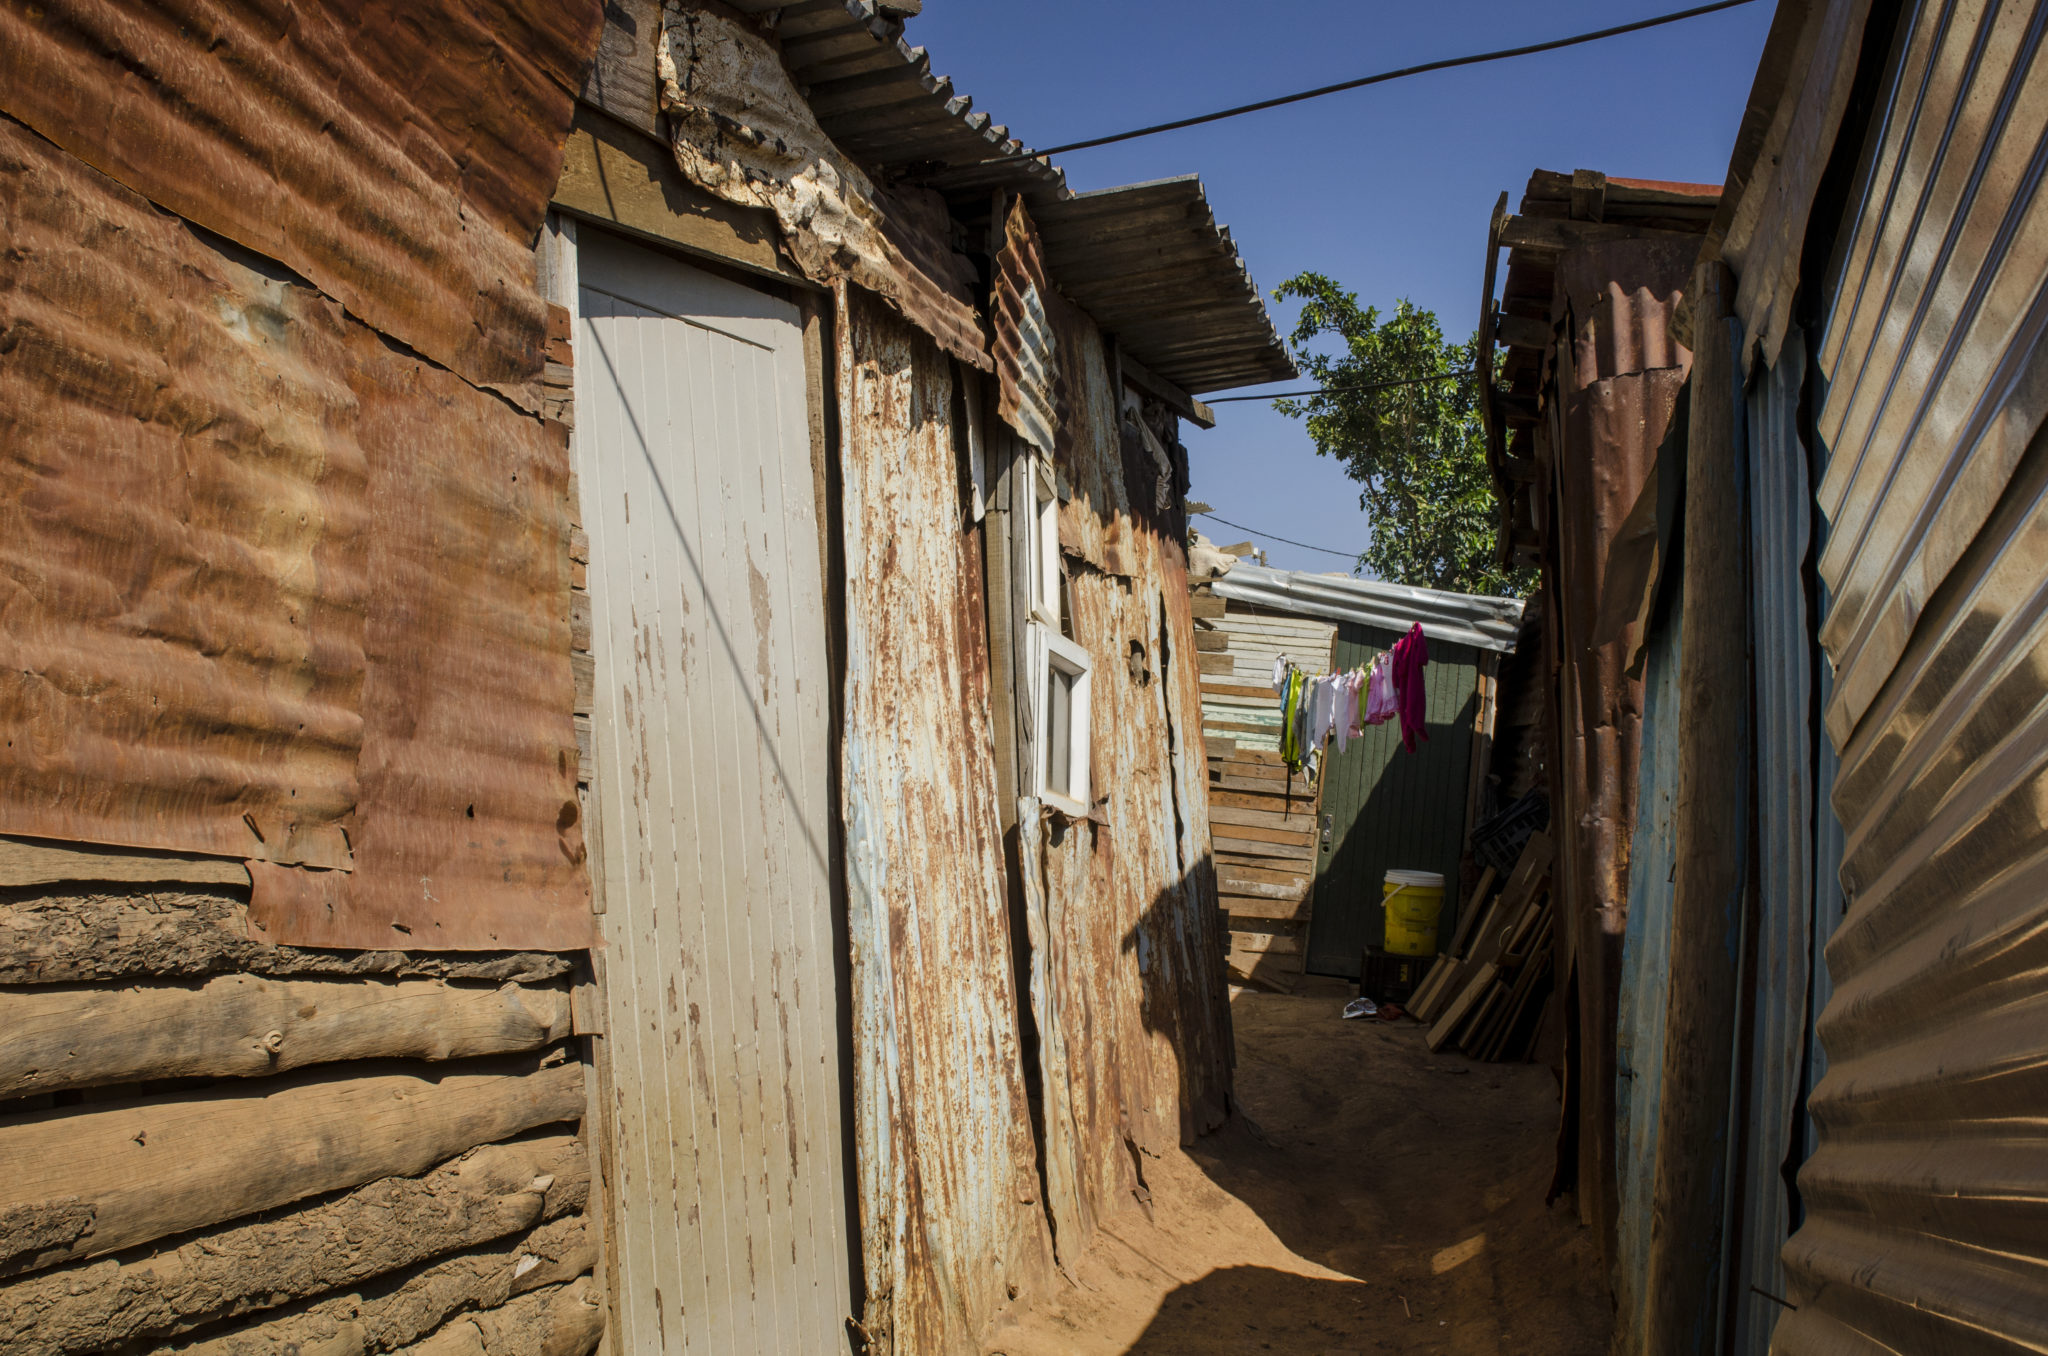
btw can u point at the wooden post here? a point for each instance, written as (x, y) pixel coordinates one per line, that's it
(1712, 818)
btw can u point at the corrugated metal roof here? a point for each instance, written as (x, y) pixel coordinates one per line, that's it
(1461, 618)
(1177, 297)
(1151, 265)
(876, 97)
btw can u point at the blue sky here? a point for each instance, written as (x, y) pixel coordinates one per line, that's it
(1386, 189)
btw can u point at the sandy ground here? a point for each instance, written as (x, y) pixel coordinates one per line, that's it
(1370, 1198)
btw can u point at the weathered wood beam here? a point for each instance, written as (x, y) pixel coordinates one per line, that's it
(495, 1193)
(1555, 235)
(96, 934)
(565, 1321)
(246, 1026)
(1152, 384)
(116, 1174)
(40, 861)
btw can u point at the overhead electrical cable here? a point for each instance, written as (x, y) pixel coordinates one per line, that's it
(1348, 555)
(1367, 386)
(1447, 63)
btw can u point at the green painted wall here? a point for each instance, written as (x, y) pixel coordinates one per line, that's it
(1391, 809)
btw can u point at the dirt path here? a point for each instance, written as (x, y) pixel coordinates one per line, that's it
(1337, 1215)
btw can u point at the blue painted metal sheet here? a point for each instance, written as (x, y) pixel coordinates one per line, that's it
(1646, 962)
(1780, 520)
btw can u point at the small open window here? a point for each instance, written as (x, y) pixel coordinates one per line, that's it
(1063, 740)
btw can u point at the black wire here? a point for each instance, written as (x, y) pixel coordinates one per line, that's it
(1351, 556)
(1446, 64)
(1368, 386)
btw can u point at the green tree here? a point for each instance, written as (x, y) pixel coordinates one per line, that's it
(1417, 450)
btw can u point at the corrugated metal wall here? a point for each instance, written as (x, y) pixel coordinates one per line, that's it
(1392, 809)
(713, 771)
(1646, 963)
(1781, 903)
(1927, 1198)
(949, 1211)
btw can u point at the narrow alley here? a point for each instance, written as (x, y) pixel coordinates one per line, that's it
(1320, 678)
(1370, 1197)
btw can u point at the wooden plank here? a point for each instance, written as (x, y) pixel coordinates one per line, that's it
(1212, 641)
(1215, 663)
(131, 1171)
(1228, 856)
(245, 1026)
(43, 861)
(1272, 943)
(1262, 842)
(1240, 690)
(631, 183)
(1221, 748)
(1275, 910)
(1226, 871)
(1474, 993)
(1468, 917)
(1206, 607)
(1180, 402)
(1554, 235)
(486, 1198)
(1260, 774)
(1437, 985)
(1283, 808)
(1303, 822)
(1254, 889)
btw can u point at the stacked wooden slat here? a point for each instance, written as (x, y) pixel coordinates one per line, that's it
(1482, 994)
(1262, 821)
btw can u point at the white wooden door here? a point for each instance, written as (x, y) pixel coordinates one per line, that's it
(713, 758)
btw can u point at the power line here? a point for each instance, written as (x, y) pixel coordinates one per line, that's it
(1351, 556)
(1448, 63)
(1368, 386)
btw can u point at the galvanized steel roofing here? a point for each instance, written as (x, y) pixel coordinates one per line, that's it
(1459, 618)
(1148, 262)
(1152, 266)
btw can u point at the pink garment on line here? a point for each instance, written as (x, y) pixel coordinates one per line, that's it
(1347, 709)
(1380, 706)
(1411, 653)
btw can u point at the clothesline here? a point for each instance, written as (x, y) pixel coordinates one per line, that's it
(1316, 707)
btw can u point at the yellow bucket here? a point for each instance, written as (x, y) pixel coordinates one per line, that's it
(1412, 899)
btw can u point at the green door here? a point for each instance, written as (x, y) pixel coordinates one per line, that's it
(1385, 808)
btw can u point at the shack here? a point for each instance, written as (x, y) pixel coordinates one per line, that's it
(1826, 1105)
(1300, 859)
(603, 743)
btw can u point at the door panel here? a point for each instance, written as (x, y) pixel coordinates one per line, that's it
(1391, 809)
(712, 751)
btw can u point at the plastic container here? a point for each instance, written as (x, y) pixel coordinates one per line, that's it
(1413, 900)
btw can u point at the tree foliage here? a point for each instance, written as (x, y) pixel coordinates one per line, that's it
(1418, 450)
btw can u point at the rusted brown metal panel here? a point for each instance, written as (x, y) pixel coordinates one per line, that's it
(1096, 521)
(1617, 381)
(948, 1185)
(397, 154)
(274, 587)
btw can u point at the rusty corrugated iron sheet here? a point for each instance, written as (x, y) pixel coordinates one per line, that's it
(741, 128)
(398, 155)
(1027, 372)
(1096, 522)
(1610, 303)
(273, 587)
(948, 1180)
(1926, 1195)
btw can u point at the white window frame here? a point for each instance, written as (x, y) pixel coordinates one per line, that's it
(1057, 654)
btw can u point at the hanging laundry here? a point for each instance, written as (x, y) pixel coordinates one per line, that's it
(1290, 726)
(1380, 703)
(1280, 671)
(1347, 708)
(1411, 653)
(1322, 710)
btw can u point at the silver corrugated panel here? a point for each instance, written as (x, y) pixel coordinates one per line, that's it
(1645, 968)
(1927, 1198)
(1461, 618)
(1781, 514)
